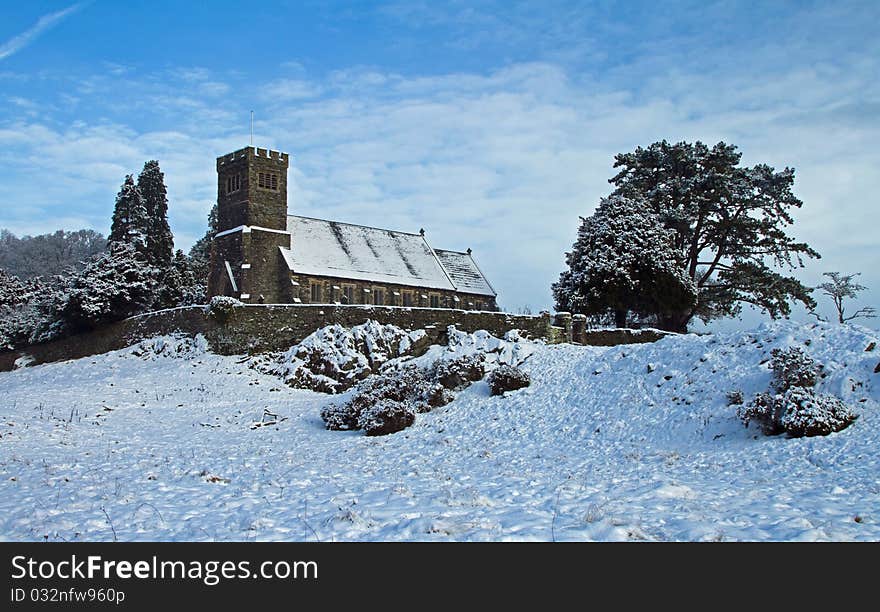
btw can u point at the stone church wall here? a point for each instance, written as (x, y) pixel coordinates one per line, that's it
(256, 328)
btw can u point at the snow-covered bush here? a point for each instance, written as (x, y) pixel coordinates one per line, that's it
(793, 367)
(810, 414)
(173, 346)
(335, 358)
(456, 374)
(507, 378)
(385, 417)
(221, 307)
(795, 408)
(411, 387)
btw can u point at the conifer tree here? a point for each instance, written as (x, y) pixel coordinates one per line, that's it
(729, 224)
(160, 241)
(130, 223)
(623, 261)
(200, 253)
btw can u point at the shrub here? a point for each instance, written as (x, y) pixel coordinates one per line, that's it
(798, 412)
(507, 378)
(793, 367)
(221, 307)
(735, 398)
(340, 417)
(456, 374)
(764, 410)
(385, 417)
(795, 408)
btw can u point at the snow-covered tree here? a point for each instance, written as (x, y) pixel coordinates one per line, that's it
(24, 310)
(623, 261)
(160, 241)
(729, 225)
(179, 284)
(47, 254)
(842, 287)
(200, 253)
(131, 223)
(115, 285)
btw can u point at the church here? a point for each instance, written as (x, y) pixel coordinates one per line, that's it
(262, 255)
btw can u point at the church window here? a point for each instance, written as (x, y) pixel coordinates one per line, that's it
(233, 183)
(407, 298)
(379, 297)
(267, 180)
(316, 293)
(348, 294)
(435, 300)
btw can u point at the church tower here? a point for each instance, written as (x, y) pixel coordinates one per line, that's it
(252, 225)
(252, 189)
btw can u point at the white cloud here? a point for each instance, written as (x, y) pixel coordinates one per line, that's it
(504, 162)
(44, 23)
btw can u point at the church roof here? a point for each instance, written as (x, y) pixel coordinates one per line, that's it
(357, 252)
(464, 272)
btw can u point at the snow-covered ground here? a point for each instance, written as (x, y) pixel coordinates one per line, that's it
(623, 443)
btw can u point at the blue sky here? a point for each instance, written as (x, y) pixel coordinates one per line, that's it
(491, 124)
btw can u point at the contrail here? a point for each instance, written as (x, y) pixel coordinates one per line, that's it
(16, 43)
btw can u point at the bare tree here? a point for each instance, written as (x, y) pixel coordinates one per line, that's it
(841, 287)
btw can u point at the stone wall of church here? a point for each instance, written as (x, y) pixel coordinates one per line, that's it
(326, 290)
(254, 329)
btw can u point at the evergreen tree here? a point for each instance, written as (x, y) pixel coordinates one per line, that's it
(200, 253)
(179, 284)
(623, 261)
(115, 285)
(729, 225)
(160, 241)
(130, 224)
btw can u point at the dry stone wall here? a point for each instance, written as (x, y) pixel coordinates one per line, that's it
(261, 328)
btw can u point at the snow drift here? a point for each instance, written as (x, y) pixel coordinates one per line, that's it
(634, 442)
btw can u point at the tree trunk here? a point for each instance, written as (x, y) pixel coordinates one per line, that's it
(620, 318)
(676, 322)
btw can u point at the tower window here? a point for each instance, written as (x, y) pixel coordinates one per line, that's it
(233, 183)
(267, 180)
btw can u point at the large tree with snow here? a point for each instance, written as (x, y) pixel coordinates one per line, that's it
(130, 224)
(115, 285)
(160, 241)
(729, 224)
(200, 253)
(623, 261)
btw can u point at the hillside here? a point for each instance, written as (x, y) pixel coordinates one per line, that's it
(637, 442)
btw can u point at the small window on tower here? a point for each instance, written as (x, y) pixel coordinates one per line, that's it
(267, 181)
(233, 183)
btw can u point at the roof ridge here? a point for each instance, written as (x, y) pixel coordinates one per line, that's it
(381, 229)
(440, 263)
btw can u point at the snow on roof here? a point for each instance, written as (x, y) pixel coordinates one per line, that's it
(329, 248)
(464, 272)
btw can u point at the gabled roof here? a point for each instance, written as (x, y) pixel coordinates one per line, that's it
(342, 250)
(464, 272)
